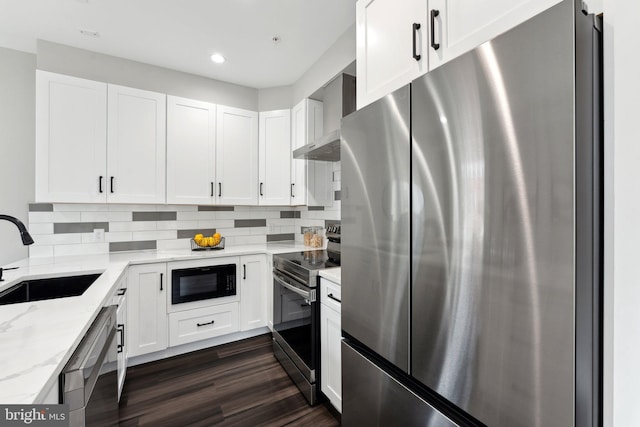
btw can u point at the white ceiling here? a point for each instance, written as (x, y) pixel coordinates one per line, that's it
(182, 34)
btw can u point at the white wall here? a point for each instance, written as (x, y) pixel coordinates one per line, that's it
(275, 98)
(333, 61)
(68, 60)
(17, 145)
(622, 213)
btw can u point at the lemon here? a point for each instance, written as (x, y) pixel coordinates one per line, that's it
(198, 237)
(217, 236)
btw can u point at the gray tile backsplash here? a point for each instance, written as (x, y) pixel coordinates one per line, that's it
(280, 237)
(132, 246)
(215, 208)
(67, 229)
(250, 223)
(79, 227)
(188, 234)
(155, 216)
(40, 207)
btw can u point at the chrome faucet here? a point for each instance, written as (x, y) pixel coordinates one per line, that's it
(24, 234)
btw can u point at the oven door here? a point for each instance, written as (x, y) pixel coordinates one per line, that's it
(296, 323)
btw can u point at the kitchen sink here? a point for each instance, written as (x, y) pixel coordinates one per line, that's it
(49, 288)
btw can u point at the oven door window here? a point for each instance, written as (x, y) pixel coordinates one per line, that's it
(194, 284)
(293, 319)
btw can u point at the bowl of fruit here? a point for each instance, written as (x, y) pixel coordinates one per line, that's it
(204, 243)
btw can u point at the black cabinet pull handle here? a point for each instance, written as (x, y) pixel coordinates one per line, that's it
(122, 291)
(207, 323)
(434, 14)
(244, 271)
(416, 27)
(292, 195)
(111, 181)
(334, 298)
(261, 190)
(100, 184)
(120, 329)
(161, 274)
(212, 189)
(219, 189)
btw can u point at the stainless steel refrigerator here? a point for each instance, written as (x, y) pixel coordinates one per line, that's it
(472, 235)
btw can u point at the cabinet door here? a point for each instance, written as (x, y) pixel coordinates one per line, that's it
(386, 58)
(462, 25)
(298, 166)
(319, 174)
(71, 139)
(191, 143)
(136, 145)
(147, 309)
(330, 359)
(122, 356)
(275, 158)
(253, 291)
(237, 156)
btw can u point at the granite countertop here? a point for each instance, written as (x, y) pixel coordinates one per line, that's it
(332, 274)
(38, 338)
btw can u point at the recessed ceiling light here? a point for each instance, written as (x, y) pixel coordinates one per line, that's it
(89, 33)
(217, 58)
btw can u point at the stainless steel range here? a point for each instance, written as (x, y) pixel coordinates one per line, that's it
(296, 311)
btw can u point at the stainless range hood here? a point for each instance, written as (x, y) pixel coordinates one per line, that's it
(339, 101)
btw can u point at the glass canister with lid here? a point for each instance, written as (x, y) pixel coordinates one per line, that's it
(313, 236)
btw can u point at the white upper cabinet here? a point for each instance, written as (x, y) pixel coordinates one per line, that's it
(136, 152)
(237, 156)
(462, 25)
(398, 41)
(386, 56)
(191, 145)
(306, 127)
(275, 158)
(298, 166)
(71, 139)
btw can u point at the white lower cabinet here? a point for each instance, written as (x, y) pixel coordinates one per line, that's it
(202, 323)
(147, 308)
(253, 292)
(330, 338)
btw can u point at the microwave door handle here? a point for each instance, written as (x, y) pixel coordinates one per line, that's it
(292, 288)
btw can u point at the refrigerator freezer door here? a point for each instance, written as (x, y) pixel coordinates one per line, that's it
(375, 226)
(493, 226)
(373, 398)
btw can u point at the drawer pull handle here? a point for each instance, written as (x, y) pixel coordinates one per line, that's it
(334, 298)
(416, 27)
(122, 291)
(434, 14)
(120, 330)
(207, 323)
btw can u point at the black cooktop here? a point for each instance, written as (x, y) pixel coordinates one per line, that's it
(312, 259)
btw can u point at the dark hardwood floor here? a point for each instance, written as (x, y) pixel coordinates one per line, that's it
(236, 384)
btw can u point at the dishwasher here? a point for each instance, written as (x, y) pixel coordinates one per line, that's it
(88, 383)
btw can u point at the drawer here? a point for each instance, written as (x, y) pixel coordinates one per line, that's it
(202, 323)
(330, 294)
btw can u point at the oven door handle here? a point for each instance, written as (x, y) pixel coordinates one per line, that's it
(302, 293)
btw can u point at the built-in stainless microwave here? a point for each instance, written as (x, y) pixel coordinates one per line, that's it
(202, 283)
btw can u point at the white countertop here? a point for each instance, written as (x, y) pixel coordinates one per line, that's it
(38, 338)
(332, 274)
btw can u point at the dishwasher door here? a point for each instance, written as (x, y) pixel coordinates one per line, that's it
(88, 383)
